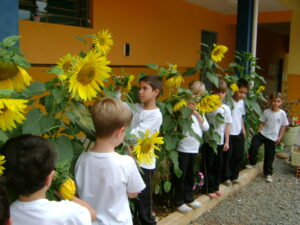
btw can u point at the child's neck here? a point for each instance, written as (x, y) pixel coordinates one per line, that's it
(103, 145)
(235, 98)
(150, 105)
(275, 109)
(40, 194)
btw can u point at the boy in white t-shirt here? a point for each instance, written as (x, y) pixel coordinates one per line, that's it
(105, 179)
(213, 162)
(234, 156)
(270, 132)
(30, 162)
(188, 148)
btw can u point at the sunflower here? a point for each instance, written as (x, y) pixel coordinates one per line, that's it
(89, 74)
(179, 105)
(144, 149)
(234, 87)
(175, 81)
(260, 89)
(130, 79)
(218, 52)
(13, 77)
(103, 41)
(68, 189)
(67, 63)
(11, 112)
(209, 103)
(2, 161)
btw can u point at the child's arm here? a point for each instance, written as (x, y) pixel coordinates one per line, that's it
(243, 128)
(86, 205)
(261, 125)
(202, 121)
(227, 131)
(281, 133)
(132, 195)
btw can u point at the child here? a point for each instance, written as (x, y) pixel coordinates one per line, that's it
(4, 206)
(30, 162)
(270, 132)
(234, 156)
(105, 179)
(188, 148)
(213, 162)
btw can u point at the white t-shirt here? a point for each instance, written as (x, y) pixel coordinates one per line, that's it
(237, 117)
(273, 122)
(44, 212)
(103, 180)
(141, 121)
(190, 144)
(224, 110)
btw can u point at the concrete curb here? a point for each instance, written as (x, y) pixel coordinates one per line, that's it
(245, 177)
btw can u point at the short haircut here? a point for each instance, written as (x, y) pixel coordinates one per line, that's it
(154, 81)
(243, 83)
(276, 95)
(108, 115)
(4, 204)
(197, 87)
(29, 160)
(222, 87)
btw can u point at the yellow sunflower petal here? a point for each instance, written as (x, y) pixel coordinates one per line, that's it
(218, 52)
(103, 41)
(209, 103)
(234, 87)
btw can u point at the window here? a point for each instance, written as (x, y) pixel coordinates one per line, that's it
(68, 12)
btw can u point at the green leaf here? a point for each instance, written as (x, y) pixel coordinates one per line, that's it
(174, 158)
(186, 112)
(170, 108)
(81, 39)
(36, 88)
(10, 41)
(5, 93)
(167, 186)
(32, 123)
(189, 71)
(213, 78)
(153, 66)
(47, 123)
(157, 189)
(55, 70)
(63, 147)
(170, 142)
(21, 61)
(3, 138)
(59, 94)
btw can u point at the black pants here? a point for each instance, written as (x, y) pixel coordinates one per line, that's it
(233, 158)
(256, 142)
(144, 205)
(213, 164)
(184, 184)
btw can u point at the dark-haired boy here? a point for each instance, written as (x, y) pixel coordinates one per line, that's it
(30, 162)
(4, 206)
(234, 156)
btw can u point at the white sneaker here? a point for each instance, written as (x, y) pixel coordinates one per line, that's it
(195, 204)
(184, 208)
(249, 166)
(228, 183)
(269, 179)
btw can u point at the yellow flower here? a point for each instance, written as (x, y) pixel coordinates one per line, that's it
(179, 105)
(174, 82)
(67, 63)
(209, 103)
(103, 41)
(68, 189)
(172, 69)
(11, 112)
(130, 79)
(218, 52)
(2, 161)
(144, 149)
(89, 74)
(261, 88)
(234, 87)
(13, 77)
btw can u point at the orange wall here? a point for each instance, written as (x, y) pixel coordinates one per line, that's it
(293, 90)
(158, 31)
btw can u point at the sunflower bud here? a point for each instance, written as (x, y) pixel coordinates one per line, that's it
(67, 189)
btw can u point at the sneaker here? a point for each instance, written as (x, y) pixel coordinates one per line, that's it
(269, 179)
(184, 208)
(249, 166)
(236, 181)
(228, 183)
(195, 204)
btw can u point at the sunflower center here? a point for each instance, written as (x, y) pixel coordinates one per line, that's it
(67, 66)
(217, 52)
(86, 74)
(101, 41)
(146, 146)
(3, 110)
(8, 70)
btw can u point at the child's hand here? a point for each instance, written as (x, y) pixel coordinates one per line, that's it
(244, 133)
(225, 147)
(277, 141)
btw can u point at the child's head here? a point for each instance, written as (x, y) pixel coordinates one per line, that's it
(109, 115)
(150, 87)
(243, 86)
(276, 100)
(221, 90)
(197, 88)
(4, 205)
(30, 162)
